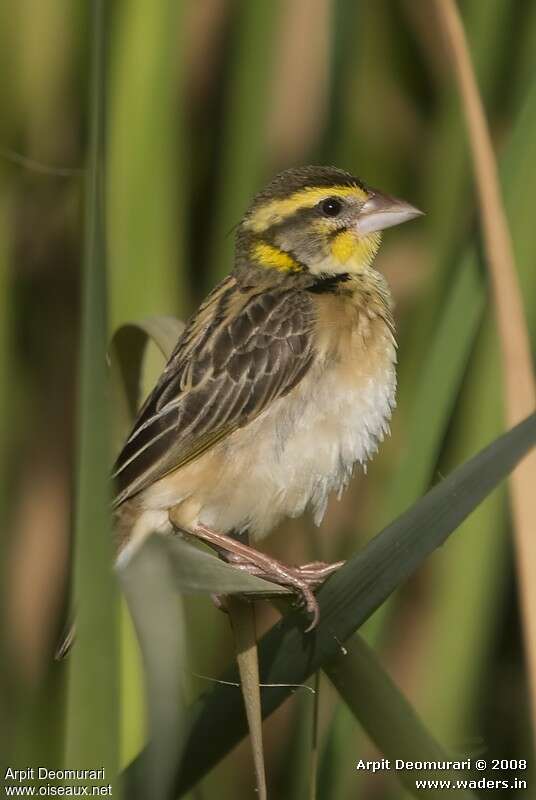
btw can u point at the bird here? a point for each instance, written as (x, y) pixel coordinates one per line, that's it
(281, 382)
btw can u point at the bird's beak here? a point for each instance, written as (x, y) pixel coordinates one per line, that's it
(382, 211)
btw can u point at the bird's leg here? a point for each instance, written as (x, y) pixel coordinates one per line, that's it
(302, 580)
(313, 573)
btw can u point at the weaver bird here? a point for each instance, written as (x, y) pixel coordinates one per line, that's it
(281, 382)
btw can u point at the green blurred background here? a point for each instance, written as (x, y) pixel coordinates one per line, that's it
(206, 100)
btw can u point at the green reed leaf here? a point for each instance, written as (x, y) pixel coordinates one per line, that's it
(288, 656)
(93, 716)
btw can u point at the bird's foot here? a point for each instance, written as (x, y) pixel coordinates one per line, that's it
(301, 580)
(316, 572)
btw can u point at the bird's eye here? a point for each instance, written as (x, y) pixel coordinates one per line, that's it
(331, 207)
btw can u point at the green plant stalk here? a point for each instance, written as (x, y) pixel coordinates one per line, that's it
(150, 589)
(527, 59)
(134, 722)
(341, 746)
(448, 199)
(5, 339)
(363, 142)
(288, 657)
(388, 718)
(464, 604)
(5, 447)
(346, 39)
(127, 354)
(517, 374)
(243, 128)
(32, 716)
(294, 773)
(313, 771)
(93, 714)
(43, 67)
(469, 588)
(435, 395)
(437, 388)
(475, 569)
(429, 383)
(145, 211)
(448, 179)
(363, 36)
(429, 405)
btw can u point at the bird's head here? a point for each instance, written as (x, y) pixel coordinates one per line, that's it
(318, 220)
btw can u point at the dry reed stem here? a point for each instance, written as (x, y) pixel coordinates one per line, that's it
(518, 375)
(242, 616)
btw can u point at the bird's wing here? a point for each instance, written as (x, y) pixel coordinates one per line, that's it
(240, 351)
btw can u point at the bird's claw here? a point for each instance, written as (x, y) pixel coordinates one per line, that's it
(301, 580)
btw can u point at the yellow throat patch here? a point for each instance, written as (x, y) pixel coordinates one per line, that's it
(347, 248)
(269, 256)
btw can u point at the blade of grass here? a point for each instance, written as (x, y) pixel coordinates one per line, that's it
(243, 128)
(488, 27)
(436, 391)
(435, 395)
(195, 571)
(6, 691)
(527, 57)
(341, 747)
(44, 39)
(345, 50)
(468, 585)
(469, 589)
(128, 357)
(313, 771)
(134, 721)
(517, 361)
(163, 331)
(147, 216)
(5, 341)
(32, 118)
(363, 142)
(151, 593)
(428, 394)
(127, 350)
(145, 211)
(518, 375)
(346, 600)
(298, 83)
(447, 195)
(437, 388)
(389, 719)
(92, 718)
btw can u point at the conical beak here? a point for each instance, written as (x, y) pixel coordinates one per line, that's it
(383, 211)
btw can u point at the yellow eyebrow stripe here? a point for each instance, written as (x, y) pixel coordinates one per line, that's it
(270, 256)
(275, 211)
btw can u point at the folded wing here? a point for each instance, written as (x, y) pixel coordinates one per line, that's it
(239, 353)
